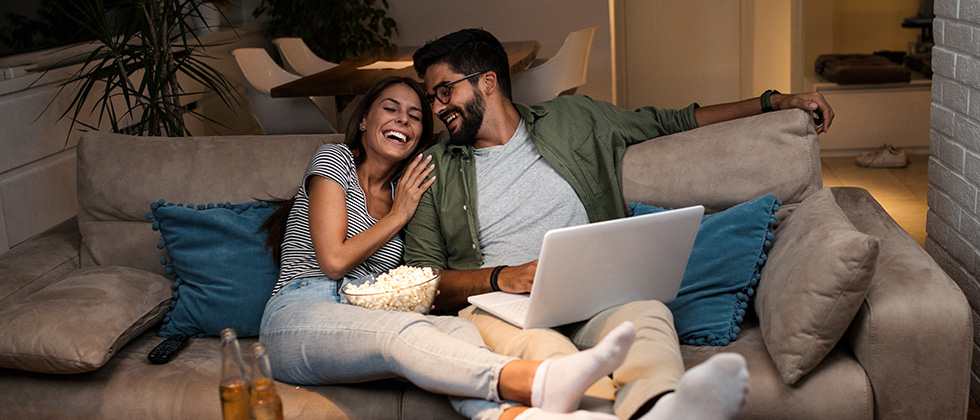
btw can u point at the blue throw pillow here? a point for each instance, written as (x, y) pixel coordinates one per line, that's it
(723, 270)
(224, 275)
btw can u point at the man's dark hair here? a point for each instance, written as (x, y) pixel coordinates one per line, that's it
(466, 52)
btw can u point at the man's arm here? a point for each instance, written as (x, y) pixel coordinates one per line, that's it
(457, 285)
(813, 102)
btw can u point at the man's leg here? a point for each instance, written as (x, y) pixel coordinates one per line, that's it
(653, 365)
(531, 344)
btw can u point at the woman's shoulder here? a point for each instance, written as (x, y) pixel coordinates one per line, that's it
(333, 153)
(333, 161)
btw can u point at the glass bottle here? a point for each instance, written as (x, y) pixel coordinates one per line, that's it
(265, 404)
(234, 389)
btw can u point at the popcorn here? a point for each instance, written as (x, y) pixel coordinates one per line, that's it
(406, 289)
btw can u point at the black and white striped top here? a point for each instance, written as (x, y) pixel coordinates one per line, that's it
(334, 162)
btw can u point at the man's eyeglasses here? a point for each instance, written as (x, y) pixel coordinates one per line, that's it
(444, 90)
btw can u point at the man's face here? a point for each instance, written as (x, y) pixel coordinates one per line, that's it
(464, 108)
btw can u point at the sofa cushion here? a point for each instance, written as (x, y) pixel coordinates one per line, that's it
(724, 164)
(722, 271)
(119, 175)
(224, 274)
(77, 324)
(817, 276)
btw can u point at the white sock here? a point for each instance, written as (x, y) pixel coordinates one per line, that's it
(535, 413)
(713, 390)
(560, 383)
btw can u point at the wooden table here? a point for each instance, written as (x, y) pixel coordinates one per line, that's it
(348, 80)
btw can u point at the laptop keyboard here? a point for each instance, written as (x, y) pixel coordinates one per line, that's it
(516, 309)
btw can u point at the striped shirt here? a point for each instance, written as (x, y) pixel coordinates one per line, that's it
(334, 162)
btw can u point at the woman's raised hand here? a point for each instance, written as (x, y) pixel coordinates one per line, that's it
(412, 184)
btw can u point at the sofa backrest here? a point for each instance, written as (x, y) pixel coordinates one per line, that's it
(721, 165)
(119, 176)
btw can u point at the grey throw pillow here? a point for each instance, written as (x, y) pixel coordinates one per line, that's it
(812, 286)
(78, 324)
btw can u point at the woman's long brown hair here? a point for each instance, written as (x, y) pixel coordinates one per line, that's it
(275, 224)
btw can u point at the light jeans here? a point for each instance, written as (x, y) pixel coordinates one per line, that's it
(313, 339)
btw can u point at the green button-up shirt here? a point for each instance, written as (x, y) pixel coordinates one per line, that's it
(583, 139)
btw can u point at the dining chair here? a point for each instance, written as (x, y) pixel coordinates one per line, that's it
(277, 115)
(298, 58)
(561, 74)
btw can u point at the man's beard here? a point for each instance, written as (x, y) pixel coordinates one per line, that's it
(470, 122)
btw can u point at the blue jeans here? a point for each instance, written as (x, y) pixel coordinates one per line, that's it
(313, 339)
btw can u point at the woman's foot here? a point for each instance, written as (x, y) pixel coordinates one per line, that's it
(560, 383)
(713, 390)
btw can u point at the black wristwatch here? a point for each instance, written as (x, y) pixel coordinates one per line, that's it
(766, 104)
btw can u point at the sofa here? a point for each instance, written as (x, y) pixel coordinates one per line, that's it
(81, 304)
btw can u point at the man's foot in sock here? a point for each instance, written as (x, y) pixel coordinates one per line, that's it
(560, 383)
(713, 390)
(535, 413)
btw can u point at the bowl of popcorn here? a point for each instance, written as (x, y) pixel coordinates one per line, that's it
(406, 289)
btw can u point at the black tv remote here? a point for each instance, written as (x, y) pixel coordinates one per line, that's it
(168, 349)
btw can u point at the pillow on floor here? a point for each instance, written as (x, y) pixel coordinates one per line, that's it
(816, 280)
(224, 275)
(722, 271)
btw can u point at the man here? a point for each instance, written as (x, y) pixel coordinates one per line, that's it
(509, 173)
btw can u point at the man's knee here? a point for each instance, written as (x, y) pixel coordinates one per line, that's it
(644, 314)
(527, 344)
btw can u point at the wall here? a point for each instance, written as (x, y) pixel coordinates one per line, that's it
(953, 220)
(37, 149)
(707, 51)
(855, 27)
(545, 21)
(675, 53)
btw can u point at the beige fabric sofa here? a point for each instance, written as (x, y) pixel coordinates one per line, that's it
(905, 355)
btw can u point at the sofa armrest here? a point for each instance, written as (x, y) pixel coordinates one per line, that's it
(724, 164)
(39, 261)
(913, 334)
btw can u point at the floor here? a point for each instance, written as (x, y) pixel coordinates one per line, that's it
(902, 192)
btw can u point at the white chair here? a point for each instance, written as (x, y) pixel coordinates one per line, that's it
(561, 74)
(277, 115)
(298, 58)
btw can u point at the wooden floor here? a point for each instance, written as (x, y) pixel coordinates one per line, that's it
(902, 192)
(974, 411)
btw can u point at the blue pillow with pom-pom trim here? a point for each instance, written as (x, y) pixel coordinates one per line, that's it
(723, 270)
(224, 276)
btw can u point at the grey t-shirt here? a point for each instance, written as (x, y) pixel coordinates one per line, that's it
(520, 197)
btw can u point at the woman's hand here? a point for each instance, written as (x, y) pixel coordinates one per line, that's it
(411, 185)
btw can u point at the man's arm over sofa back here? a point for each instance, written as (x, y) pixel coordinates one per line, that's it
(721, 165)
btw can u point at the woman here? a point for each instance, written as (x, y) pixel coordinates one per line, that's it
(343, 224)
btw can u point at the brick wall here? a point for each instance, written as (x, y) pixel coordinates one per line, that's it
(952, 223)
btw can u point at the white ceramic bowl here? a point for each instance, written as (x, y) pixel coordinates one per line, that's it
(414, 297)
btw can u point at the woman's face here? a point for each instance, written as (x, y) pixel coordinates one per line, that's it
(393, 123)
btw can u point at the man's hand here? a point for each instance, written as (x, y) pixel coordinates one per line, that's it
(517, 279)
(457, 285)
(814, 102)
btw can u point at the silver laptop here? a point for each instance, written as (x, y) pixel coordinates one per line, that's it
(583, 270)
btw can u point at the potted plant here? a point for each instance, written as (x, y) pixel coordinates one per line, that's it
(334, 30)
(131, 76)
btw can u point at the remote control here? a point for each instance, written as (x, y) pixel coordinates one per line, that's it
(168, 349)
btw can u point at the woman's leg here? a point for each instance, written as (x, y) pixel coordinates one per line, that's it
(329, 343)
(472, 408)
